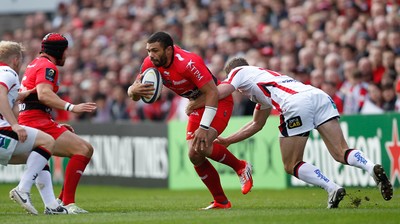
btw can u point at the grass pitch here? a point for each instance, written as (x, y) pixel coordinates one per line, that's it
(132, 205)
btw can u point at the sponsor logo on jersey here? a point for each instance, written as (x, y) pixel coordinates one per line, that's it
(31, 66)
(180, 58)
(179, 82)
(50, 74)
(166, 73)
(194, 70)
(288, 80)
(294, 122)
(195, 113)
(4, 142)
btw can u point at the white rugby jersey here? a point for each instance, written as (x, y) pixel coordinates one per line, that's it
(264, 87)
(9, 78)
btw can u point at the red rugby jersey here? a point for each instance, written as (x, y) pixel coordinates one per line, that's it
(40, 70)
(186, 74)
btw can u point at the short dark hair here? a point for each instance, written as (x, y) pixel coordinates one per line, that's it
(235, 62)
(163, 38)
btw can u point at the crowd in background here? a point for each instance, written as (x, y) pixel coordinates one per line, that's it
(348, 48)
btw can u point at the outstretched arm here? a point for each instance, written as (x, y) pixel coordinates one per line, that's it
(51, 99)
(259, 119)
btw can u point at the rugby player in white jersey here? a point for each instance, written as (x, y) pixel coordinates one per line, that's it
(302, 108)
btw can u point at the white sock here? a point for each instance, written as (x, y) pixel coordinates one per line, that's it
(45, 187)
(356, 158)
(34, 165)
(312, 175)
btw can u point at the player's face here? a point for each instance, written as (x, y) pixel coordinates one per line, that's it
(157, 54)
(61, 62)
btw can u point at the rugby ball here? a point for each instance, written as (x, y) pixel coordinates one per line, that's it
(153, 76)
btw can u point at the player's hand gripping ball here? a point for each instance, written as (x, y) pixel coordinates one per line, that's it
(153, 76)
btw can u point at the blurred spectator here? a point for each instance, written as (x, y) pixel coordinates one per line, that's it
(118, 104)
(397, 66)
(388, 94)
(397, 104)
(375, 56)
(394, 40)
(364, 65)
(353, 90)
(388, 63)
(332, 75)
(103, 111)
(373, 103)
(299, 38)
(301, 74)
(317, 78)
(306, 60)
(330, 88)
(361, 45)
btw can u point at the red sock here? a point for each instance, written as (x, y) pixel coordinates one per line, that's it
(73, 173)
(222, 155)
(209, 175)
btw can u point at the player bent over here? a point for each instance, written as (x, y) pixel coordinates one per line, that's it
(42, 74)
(302, 108)
(20, 144)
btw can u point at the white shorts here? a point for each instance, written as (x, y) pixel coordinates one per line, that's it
(20, 148)
(305, 111)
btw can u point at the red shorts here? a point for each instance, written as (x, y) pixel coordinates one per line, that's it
(42, 121)
(221, 119)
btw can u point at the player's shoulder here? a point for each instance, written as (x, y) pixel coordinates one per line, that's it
(8, 71)
(184, 60)
(43, 62)
(183, 55)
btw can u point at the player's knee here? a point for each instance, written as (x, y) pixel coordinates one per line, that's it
(47, 142)
(195, 157)
(83, 148)
(88, 150)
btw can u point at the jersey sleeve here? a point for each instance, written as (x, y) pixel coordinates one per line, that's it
(7, 79)
(262, 107)
(47, 74)
(234, 78)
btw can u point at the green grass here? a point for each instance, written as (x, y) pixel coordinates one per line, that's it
(131, 205)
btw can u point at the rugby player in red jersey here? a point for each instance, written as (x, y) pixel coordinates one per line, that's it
(42, 74)
(186, 74)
